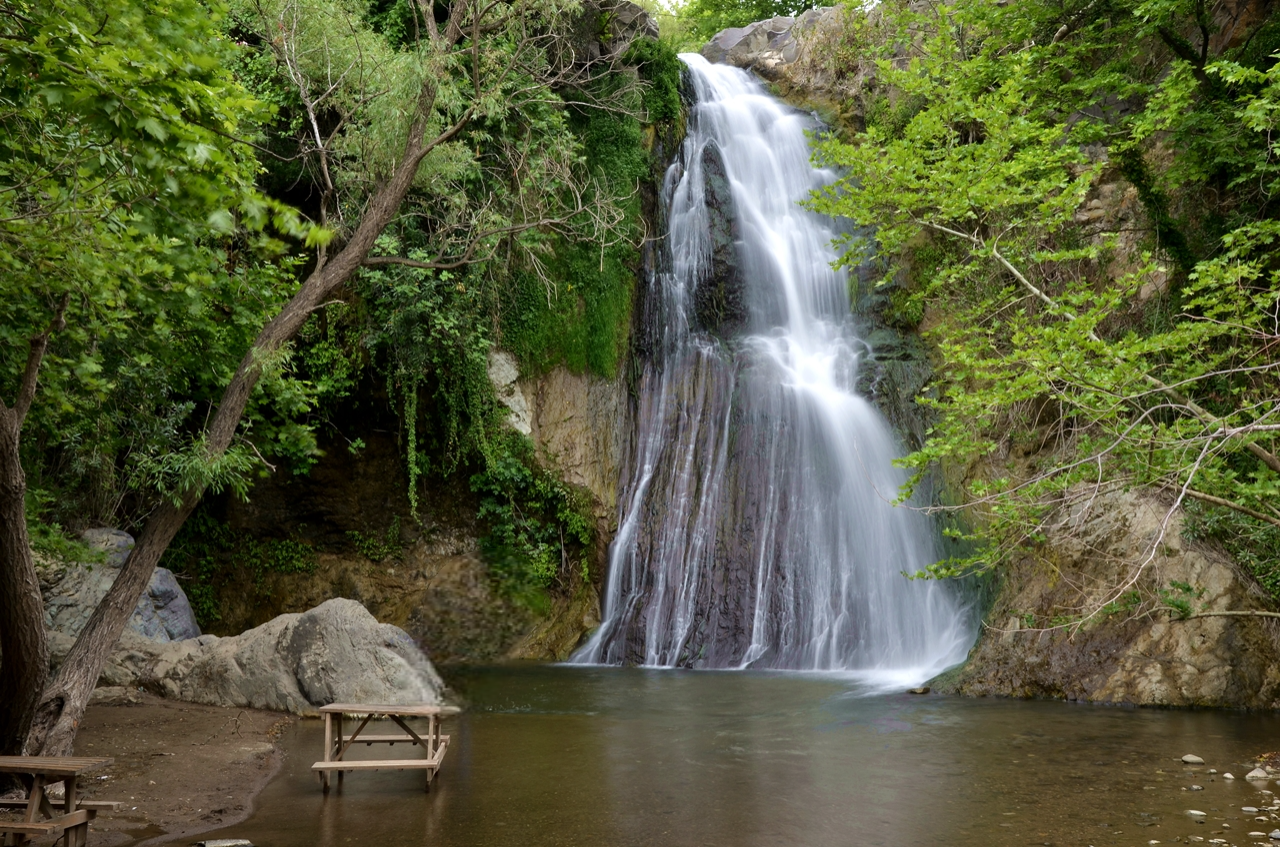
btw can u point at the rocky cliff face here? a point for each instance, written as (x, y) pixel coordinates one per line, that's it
(1137, 653)
(432, 581)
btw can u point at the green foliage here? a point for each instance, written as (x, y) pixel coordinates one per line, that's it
(375, 548)
(50, 539)
(575, 308)
(208, 555)
(1253, 543)
(125, 201)
(704, 18)
(1084, 361)
(659, 66)
(538, 526)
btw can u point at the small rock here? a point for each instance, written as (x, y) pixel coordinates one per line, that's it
(1256, 773)
(1257, 835)
(1196, 813)
(1250, 810)
(1228, 776)
(1197, 788)
(225, 842)
(1274, 835)
(1213, 770)
(1189, 759)
(924, 689)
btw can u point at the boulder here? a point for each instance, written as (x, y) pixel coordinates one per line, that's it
(769, 46)
(72, 591)
(629, 21)
(336, 652)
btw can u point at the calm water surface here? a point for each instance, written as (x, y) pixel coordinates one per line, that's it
(614, 756)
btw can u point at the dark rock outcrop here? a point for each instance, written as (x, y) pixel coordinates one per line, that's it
(72, 591)
(720, 299)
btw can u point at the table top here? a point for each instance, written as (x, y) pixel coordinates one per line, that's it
(423, 710)
(52, 765)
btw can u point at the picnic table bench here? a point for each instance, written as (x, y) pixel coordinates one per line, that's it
(336, 744)
(72, 820)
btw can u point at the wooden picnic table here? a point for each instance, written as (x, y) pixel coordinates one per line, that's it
(336, 744)
(39, 772)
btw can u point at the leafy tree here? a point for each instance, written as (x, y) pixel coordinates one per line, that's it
(992, 127)
(451, 121)
(118, 205)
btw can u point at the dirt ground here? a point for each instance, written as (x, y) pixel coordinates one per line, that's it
(180, 768)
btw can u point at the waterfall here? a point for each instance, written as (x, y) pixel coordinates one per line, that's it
(757, 527)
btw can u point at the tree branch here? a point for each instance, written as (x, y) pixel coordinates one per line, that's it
(35, 356)
(1266, 457)
(1244, 510)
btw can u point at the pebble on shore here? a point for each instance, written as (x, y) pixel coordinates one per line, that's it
(1256, 773)
(1191, 759)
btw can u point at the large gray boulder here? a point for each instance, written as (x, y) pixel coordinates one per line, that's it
(72, 591)
(336, 652)
(791, 51)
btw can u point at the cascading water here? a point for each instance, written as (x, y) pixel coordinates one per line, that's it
(757, 528)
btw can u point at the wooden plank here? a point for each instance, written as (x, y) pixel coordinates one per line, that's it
(380, 709)
(34, 828)
(387, 739)
(52, 766)
(56, 825)
(377, 765)
(100, 805)
(94, 805)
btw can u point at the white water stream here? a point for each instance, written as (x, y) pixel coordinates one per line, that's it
(757, 527)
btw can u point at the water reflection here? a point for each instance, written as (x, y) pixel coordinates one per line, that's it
(595, 756)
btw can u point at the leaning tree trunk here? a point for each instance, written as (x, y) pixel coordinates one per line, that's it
(63, 704)
(24, 648)
(24, 661)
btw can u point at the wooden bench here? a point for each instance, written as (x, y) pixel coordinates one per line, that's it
(72, 820)
(336, 744)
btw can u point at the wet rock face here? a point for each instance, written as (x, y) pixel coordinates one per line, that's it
(336, 652)
(720, 299)
(1148, 660)
(72, 591)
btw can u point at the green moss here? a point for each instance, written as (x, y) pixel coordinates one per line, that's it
(578, 313)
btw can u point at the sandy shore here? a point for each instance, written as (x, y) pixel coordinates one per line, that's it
(180, 768)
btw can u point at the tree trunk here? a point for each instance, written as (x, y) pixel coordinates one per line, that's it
(62, 706)
(24, 649)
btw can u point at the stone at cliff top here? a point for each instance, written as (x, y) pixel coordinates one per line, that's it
(72, 591)
(765, 46)
(336, 652)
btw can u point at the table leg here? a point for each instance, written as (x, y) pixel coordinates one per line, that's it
(328, 750)
(338, 720)
(34, 799)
